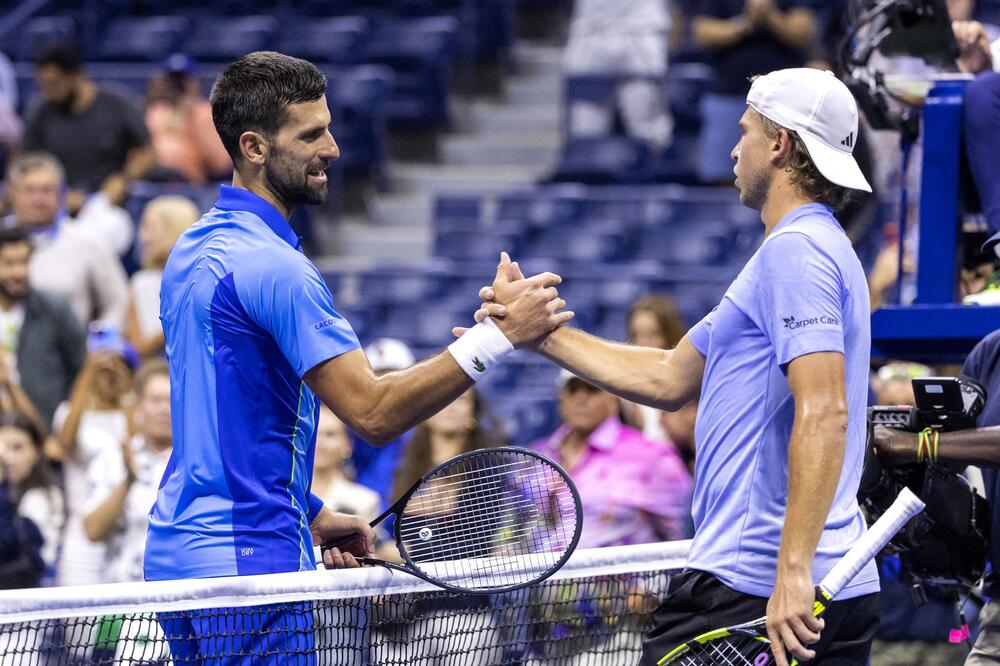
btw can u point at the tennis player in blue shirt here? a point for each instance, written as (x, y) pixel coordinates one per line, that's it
(780, 368)
(254, 343)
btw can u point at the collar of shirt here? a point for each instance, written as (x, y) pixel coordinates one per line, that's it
(812, 209)
(238, 199)
(604, 437)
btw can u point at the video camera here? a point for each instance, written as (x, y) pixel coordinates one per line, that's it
(946, 545)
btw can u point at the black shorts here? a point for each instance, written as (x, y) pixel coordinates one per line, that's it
(697, 602)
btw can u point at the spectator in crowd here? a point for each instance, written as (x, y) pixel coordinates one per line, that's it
(93, 422)
(10, 123)
(633, 490)
(332, 470)
(34, 492)
(179, 119)
(745, 38)
(464, 425)
(653, 321)
(97, 135)
(125, 478)
(42, 345)
(628, 40)
(374, 466)
(982, 144)
(164, 219)
(21, 543)
(65, 262)
(678, 428)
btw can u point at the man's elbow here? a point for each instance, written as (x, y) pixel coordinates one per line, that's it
(375, 430)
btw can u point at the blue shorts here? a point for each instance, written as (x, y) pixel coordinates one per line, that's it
(276, 633)
(720, 131)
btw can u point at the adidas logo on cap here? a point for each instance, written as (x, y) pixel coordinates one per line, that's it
(848, 141)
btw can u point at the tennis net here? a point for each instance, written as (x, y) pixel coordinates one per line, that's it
(592, 612)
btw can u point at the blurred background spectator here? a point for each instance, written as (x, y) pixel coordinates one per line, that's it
(93, 422)
(125, 479)
(65, 262)
(31, 485)
(42, 344)
(653, 321)
(10, 123)
(633, 490)
(97, 135)
(744, 38)
(179, 119)
(164, 219)
(333, 475)
(625, 40)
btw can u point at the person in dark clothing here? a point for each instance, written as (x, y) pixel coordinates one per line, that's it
(99, 136)
(41, 342)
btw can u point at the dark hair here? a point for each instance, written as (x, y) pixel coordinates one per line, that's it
(40, 476)
(668, 316)
(12, 236)
(64, 56)
(253, 94)
(417, 456)
(805, 176)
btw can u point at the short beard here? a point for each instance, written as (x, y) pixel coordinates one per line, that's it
(11, 296)
(290, 183)
(753, 194)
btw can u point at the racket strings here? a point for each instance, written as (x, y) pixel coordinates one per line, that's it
(727, 651)
(493, 520)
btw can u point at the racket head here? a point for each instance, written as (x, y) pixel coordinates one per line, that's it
(488, 521)
(741, 645)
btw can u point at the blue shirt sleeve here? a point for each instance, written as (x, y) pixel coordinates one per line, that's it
(701, 333)
(799, 296)
(287, 297)
(315, 505)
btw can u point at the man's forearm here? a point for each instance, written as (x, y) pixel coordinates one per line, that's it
(795, 28)
(100, 522)
(714, 33)
(644, 375)
(815, 459)
(977, 446)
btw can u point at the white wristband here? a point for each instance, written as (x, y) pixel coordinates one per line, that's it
(480, 348)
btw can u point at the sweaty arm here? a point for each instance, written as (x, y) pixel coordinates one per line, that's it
(815, 459)
(381, 408)
(665, 379)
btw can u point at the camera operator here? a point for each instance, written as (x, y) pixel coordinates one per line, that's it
(979, 446)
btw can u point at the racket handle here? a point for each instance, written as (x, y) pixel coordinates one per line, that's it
(906, 506)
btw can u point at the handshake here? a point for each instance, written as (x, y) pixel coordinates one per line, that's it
(526, 310)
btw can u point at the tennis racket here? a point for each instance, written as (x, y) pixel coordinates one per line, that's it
(748, 645)
(486, 521)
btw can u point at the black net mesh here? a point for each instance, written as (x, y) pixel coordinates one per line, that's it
(598, 620)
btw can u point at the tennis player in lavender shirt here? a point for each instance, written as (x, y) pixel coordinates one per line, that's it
(780, 368)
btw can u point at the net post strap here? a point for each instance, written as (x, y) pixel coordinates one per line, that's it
(242, 591)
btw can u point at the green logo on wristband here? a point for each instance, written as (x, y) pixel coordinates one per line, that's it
(478, 365)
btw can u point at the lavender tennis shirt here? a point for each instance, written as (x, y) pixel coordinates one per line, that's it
(633, 490)
(804, 291)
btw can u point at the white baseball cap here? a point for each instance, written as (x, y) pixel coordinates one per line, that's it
(389, 354)
(821, 109)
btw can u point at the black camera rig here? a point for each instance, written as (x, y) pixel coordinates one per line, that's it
(946, 545)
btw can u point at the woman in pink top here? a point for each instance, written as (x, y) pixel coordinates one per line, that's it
(633, 490)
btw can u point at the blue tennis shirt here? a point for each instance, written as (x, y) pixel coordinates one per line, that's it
(245, 315)
(804, 291)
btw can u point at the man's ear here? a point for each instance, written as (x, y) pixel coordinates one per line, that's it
(254, 147)
(781, 147)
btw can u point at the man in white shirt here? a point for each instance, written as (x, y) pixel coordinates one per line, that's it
(65, 262)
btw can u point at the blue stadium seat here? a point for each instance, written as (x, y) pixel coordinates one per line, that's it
(150, 38)
(337, 41)
(225, 38)
(358, 98)
(617, 159)
(419, 52)
(463, 207)
(37, 34)
(476, 244)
